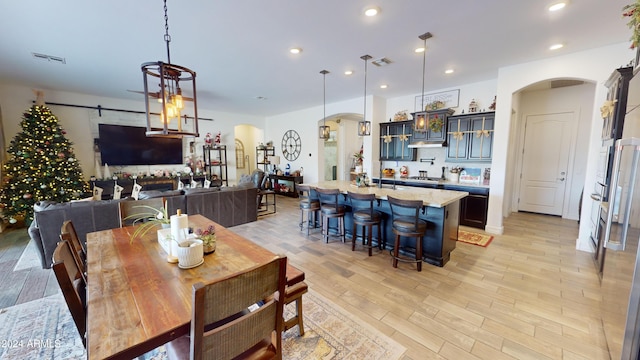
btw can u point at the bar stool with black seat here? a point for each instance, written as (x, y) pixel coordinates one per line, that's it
(364, 215)
(330, 209)
(406, 222)
(310, 205)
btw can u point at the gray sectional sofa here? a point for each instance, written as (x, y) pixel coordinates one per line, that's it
(227, 206)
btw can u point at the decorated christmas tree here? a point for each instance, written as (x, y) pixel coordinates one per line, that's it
(40, 166)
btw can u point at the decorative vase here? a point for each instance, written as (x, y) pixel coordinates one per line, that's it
(454, 177)
(209, 248)
(358, 168)
(190, 253)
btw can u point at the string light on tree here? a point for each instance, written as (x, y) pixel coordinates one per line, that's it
(41, 166)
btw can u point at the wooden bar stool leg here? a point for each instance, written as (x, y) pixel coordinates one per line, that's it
(396, 250)
(325, 228)
(302, 219)
(341, 227)
(370, 237)
(354, 236)
(419, 253)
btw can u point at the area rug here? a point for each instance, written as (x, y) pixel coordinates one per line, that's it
(44, 329)
(29, 257)
(474, 238)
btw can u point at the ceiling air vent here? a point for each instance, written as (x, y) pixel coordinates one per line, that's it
(50, 58)
(381, 62)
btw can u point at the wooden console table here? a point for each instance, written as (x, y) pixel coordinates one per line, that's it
(289, 181)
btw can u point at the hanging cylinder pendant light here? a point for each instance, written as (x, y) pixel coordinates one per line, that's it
(178, 113)
(323, 131)
(364, 126)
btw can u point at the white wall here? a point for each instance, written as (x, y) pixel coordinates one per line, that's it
(593, 65)
(306, 123)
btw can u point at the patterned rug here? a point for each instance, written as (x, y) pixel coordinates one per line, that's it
(44, 329)
(474, 238)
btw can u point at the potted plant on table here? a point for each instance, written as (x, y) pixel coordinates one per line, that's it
(149, 218)
(208, 237)
(359, 157)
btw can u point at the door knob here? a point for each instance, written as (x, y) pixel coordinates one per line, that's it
(561, 179)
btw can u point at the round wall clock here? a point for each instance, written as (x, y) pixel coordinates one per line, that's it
(291, 145)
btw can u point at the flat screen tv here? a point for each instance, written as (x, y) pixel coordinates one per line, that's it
(128, 145)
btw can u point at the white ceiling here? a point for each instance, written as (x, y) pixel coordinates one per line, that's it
(239, 49)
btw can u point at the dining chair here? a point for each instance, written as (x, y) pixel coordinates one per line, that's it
(310, 205)
(68, 233)
(405, 218)
(364, 215)
(73, 286)
(330, 209)
(225, 323)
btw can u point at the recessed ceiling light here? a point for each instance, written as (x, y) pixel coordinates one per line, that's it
(372, 11)
(348, 72)
(295, 50)
(557, 6)
(556, 46)
(383, 86)
(448, 71)
(419, 50)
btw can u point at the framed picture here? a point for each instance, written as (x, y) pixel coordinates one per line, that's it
(450, 99)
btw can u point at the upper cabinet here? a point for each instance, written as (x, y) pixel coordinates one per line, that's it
(614, 109)
(394, 141)
(433, 125)
(470, 137)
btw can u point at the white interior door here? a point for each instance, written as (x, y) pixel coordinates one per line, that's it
(547, 144)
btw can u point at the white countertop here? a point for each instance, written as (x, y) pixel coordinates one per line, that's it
(430, 197)
(442, 182)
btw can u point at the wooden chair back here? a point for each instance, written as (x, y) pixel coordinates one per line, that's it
(68, 233)
(132, 211)
(219, 307)
(307, 194)
(328, 198)
(362, 203)
(73, 287)
(405, 210)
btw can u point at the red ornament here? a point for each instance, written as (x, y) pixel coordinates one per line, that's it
(61, 155)
(27, 196)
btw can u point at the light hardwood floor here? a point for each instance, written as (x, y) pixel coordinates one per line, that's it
(528, 295)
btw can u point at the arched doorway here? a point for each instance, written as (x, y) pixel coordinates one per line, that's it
(336, 154)
(548, 160)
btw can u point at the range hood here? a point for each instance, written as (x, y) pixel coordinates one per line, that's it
(427, 144)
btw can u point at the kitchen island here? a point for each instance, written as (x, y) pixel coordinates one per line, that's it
(441, 211)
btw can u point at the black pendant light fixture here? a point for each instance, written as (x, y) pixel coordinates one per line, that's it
(323, 131)
(364, 126)
(420, 121)
(174, 97)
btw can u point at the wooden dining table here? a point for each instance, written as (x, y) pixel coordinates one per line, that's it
(137, 301)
